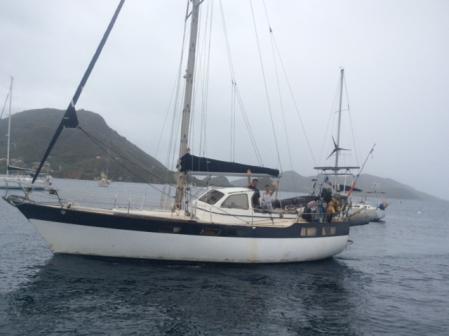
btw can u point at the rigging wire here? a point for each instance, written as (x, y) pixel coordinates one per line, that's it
(281, 105)
(70, 119)
(248, 126)
(4, 104)
(176, 119)
(233, 111)
(276, 72)
(330, 121)
(169, 107)
(233, 82)
(267, 96)
(356, 153)
(175, 116)
(205, 81)
(200, 87)
(295, 103)
(101, 144)
(235, 88)
(228, 46)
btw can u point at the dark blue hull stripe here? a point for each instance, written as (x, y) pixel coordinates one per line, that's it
(147, 224)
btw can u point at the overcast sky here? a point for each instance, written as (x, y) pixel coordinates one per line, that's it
(395, 54)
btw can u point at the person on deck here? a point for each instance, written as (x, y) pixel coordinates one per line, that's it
(266, 201)
(252, 184)
(332, 209)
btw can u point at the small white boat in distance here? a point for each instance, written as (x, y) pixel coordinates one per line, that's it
(364, 213)
(21, 180)
(104, 182)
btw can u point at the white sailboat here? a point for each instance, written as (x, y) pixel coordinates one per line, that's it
(18, 180)
(376, 210)
(104, 181)
(364, 213)
(344, 180)
(221, 225)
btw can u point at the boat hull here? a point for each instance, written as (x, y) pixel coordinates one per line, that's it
(108, 242)
(21, 187)
(158, 236)
(19, 182)
(366, 214)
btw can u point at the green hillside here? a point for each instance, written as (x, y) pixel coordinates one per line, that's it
(75, 155)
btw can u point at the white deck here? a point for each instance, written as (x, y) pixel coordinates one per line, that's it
(265, 219)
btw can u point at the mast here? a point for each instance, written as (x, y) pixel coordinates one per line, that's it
(9, 126)
(342, 73)
(185, 123)
(337, 152)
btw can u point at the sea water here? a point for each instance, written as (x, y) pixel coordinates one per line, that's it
(392, 279)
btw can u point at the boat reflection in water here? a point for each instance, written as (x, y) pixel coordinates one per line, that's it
(182, 298)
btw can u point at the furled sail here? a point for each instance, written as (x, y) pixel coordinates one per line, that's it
(191, 163)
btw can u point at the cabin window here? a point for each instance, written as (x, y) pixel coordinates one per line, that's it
(308, 232)
(328, 231)
(239, 201)
(211, 197)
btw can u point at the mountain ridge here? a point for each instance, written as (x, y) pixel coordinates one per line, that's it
(294, 182)
(77, 156)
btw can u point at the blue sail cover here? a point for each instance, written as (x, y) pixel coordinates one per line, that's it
(201, 164)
